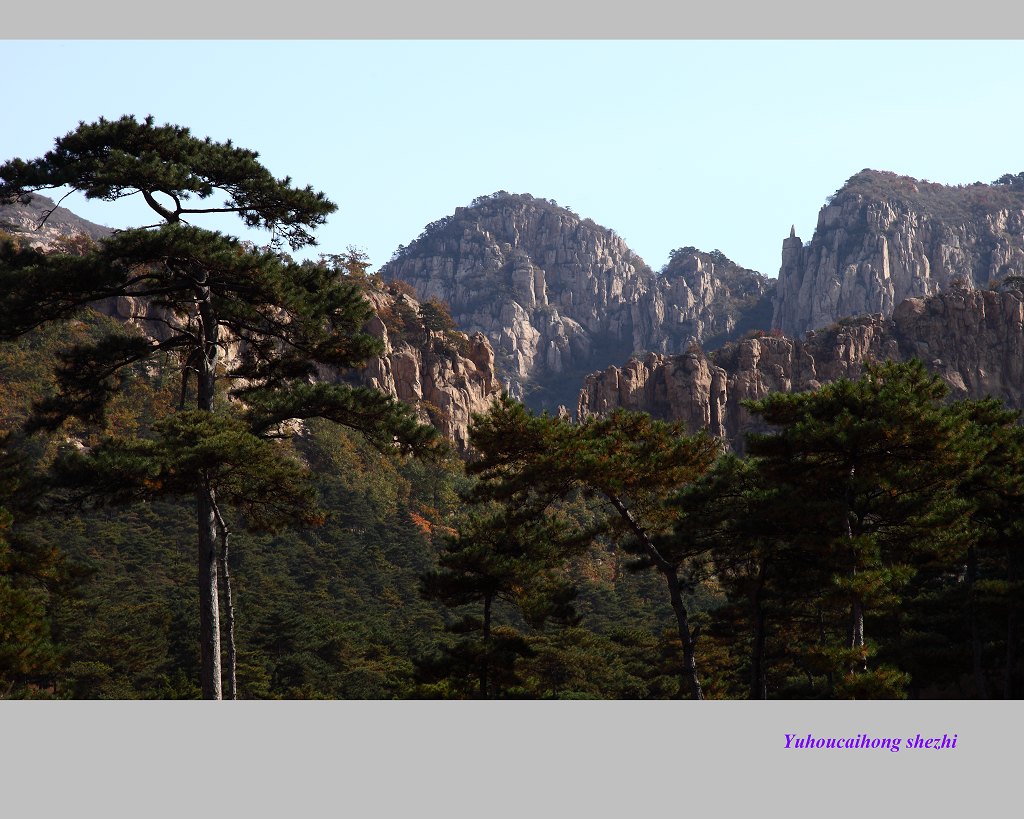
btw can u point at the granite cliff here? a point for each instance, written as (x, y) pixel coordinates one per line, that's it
(548, 297)
(447, 375)
(444, 373)
(558, 295)
(973, 339)
(883, 238)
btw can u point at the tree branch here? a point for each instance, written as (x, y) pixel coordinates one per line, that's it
(638, 530)
(49, 213)
(166, 214)
(239, 209)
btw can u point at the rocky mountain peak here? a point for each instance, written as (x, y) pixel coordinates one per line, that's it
(559, 295)
(883, 237)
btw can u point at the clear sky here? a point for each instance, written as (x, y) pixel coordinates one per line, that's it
(717, 144)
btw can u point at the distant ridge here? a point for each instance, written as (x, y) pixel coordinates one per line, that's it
(26, 221)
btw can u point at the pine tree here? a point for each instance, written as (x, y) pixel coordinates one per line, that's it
(725, 510)
(865, 468)
(991, 486)
(203, 294)
(630, 463)
(500, 556)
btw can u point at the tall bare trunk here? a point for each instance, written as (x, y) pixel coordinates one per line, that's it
(229, 608)
(857, 629)
(209, 612)
(688, 675)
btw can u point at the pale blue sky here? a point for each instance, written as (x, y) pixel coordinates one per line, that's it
(718, 144)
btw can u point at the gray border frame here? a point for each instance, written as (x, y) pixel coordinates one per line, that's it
(500, 759)
(529, 19)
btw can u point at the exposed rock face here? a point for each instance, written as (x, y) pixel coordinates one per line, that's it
(447, 376)
(558, 295)
(684, 387)
(973, 339)
(23, 220)
(884, 238)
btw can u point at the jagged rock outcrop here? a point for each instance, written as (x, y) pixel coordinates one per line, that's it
(558, 295)
(40, 223)
(883, 238)
(684, 387)
(973, 339)
(445, 374)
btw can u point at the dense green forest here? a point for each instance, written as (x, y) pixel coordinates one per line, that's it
(867, 547)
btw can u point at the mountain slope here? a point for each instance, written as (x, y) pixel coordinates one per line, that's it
(558, 295)
(444, 373)
(42, 224)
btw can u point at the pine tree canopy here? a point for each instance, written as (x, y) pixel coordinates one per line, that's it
(111, 159)
(628, 459)
(257, 477)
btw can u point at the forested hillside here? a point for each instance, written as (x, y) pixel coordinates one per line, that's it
(225, 473)
(386, 595)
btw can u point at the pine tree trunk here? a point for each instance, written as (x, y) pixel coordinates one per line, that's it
(229, 608)
(758, 682)
(209, 614)
(688, 680)
(857, 630)
(229, 616)
(688, 674)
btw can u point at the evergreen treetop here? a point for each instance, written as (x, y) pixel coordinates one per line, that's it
(111, 159)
